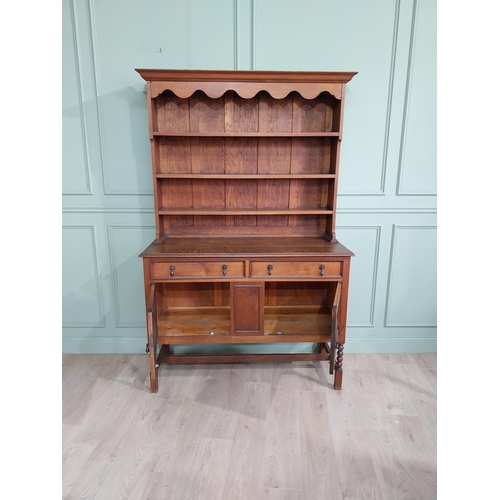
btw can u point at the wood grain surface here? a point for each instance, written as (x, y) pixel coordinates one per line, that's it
(259, 431)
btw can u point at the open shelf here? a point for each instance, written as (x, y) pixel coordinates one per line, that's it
(248, 204)
(162, 175)
(231, 211)
(230, 156)
(189, 321)
(247, 134)
(296, 320)
(209, 325)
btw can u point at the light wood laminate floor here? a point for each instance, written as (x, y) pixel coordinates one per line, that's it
(257, 431)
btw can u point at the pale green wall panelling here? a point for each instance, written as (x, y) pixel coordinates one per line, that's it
(82, 295)
(411, 296)
(244, 34)
(126, 243)
(95, 256)
(322, 35)
(417, 162)
(75, 177)
(387, 201)
(366, 241)
(148, 34)
(377, 266)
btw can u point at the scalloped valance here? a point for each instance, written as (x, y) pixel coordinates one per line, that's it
(279, 84)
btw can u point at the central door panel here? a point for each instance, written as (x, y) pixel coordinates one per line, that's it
(247, 308)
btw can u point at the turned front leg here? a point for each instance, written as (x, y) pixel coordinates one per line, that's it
(337, 383)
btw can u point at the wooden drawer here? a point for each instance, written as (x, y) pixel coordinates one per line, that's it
(194, 270)
(295, 269)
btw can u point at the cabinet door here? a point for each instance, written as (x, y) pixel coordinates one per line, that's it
(247, 308)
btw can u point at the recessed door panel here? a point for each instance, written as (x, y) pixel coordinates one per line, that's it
(247, 311)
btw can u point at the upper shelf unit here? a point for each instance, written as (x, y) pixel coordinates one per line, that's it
(245, 152)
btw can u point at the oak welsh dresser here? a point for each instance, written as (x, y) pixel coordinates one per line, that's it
(245, 177)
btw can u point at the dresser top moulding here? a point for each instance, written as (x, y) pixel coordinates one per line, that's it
(183, 83)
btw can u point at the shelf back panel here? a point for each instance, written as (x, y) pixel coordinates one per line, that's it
(232, 113)
(244, 155)
(244, 225)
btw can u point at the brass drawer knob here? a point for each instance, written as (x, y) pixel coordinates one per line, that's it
(322, 269)
(172, 269)
(224, 269)
(269, 269)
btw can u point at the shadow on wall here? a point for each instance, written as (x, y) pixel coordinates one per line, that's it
(114, 133)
